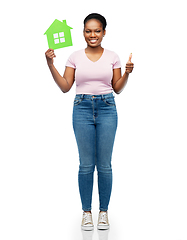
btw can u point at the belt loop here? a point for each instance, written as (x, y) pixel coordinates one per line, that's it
(102, 97)
(82, 96)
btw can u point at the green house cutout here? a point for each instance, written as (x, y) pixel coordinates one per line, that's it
(59, 35)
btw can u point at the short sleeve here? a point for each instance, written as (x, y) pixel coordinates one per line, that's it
(71, 62)
(116, 62)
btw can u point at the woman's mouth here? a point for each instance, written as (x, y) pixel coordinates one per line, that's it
(93, 41)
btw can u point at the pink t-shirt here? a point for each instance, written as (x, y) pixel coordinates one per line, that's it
(93, 78)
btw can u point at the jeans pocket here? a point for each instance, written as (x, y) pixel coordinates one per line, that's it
(109, 101)
(77, 101)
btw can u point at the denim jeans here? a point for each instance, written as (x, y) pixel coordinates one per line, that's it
(95, 124)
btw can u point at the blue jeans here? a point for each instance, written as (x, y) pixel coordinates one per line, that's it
(95, 124)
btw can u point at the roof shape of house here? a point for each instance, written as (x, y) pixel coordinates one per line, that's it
(59, 35)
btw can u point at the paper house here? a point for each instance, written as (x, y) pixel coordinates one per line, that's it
(59, 35)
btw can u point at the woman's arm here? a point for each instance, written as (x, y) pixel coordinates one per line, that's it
(118, 81)
(66, 82)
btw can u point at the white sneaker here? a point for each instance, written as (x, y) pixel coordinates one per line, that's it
(103, 223)
(87, 222)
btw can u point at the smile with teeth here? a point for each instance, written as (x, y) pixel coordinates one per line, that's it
(93, 40)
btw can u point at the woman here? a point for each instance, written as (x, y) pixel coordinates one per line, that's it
(97, 72)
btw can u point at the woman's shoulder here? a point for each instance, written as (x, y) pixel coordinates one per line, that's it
(110, 52)
(76, 55)
(77, 52)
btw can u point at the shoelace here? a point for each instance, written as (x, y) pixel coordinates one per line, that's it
(87, 218)
(103, 217)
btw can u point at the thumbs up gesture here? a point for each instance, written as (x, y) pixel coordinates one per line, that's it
(129, 65)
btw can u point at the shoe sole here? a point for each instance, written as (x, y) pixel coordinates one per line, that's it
(103, 227)
(87, 228)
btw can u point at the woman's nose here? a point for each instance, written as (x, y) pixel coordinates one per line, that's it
(92, 34)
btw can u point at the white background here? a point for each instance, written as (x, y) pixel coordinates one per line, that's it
(38, 153)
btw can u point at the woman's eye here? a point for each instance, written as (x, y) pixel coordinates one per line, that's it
(88, 31)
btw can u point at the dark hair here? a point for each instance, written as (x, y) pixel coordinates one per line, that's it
(97, 17)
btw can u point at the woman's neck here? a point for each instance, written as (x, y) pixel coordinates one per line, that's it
(94, 50)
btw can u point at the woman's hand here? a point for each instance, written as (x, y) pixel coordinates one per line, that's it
(50, 54)
(129, 65)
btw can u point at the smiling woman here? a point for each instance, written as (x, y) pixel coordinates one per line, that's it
(97, 73)
(94, 29)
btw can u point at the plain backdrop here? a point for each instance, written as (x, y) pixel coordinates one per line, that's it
(39, 197)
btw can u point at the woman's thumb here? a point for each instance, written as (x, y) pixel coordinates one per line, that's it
(130, 57)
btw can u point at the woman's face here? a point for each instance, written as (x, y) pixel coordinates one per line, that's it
(93, 33)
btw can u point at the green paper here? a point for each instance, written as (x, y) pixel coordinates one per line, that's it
(59, 35)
